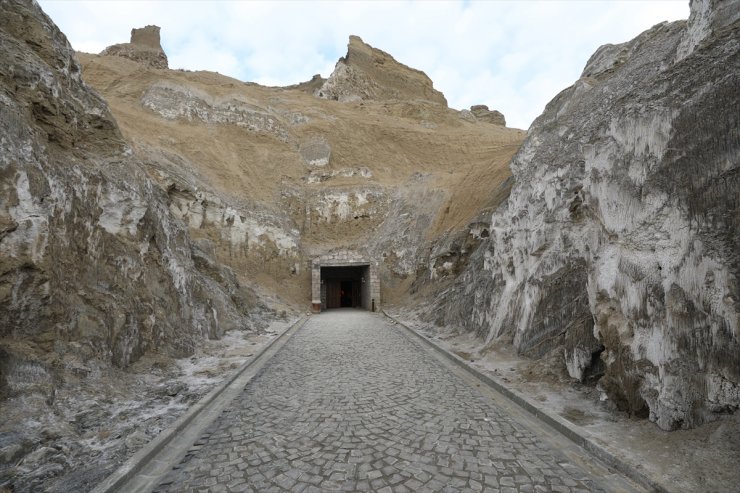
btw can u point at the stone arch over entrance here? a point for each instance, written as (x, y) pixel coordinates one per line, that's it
(344, 279)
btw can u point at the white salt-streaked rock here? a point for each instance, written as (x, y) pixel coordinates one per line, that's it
(619, 240)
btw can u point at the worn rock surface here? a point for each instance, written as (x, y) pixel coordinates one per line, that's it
(369, 73)
(143, 48)
(95, 269)
(483, 114)
(618, 246)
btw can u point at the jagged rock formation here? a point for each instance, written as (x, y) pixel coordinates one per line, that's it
(143, 48)
(482, 113)
(618, 245)
(367, 73)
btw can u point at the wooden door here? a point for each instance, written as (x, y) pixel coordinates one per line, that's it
(333, 293)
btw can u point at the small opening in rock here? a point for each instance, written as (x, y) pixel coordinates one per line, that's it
(596, 367)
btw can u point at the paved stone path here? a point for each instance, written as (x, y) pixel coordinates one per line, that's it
(352, 404)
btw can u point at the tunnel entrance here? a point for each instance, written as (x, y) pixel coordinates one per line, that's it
(348, 297)
(344, 287)
(344, 280)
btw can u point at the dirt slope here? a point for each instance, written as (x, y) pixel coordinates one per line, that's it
(252, 149)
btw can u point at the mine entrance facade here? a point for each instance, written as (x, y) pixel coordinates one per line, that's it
(345, 287)
(344, 279)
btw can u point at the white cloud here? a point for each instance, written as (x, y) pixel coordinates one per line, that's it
(512, 56)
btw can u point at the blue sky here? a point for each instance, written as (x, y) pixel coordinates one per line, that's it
(513, 56)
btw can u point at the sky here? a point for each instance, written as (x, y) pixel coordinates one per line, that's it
(513, 56)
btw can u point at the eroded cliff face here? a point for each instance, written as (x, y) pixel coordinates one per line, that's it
(89, 248)
(95, 269)
(92, 261)
(619, 245)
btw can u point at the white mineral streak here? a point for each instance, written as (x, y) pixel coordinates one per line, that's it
(319, 176)
(615, 238)
(239, 227)
(120, 212)
(342, 206)
(174, 102)
(31, 234)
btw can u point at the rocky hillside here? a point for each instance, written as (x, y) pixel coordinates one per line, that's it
(371, 159)
(617, 252)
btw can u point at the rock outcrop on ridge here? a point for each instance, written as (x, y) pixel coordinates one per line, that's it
(482, 113)
(369, 73)
(618, 246)
(144, 48)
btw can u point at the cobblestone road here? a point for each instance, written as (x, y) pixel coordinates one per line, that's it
(351, 404)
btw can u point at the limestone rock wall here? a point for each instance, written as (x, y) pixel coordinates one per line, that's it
(89, 250)
(619, 244)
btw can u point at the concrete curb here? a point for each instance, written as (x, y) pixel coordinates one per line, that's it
(579, 437)
(129, 469)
